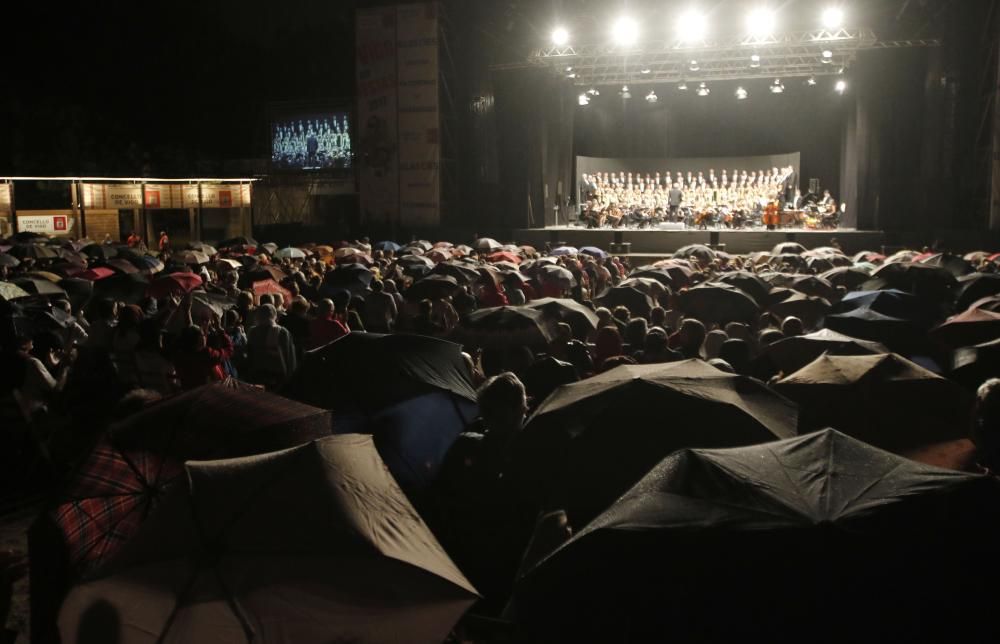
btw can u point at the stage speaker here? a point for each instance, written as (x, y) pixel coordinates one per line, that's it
(713, 239)
(671, 225)
(814, 186)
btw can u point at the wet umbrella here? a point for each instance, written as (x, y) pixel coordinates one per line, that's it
(9, 260)
(176, 284)
(884, 400)
(423, 401)
(813, 285)
(101, 252)
(968, 328)
(487, 244)
(593, 251)
(820, 535)
(415, 266)
(806, 307)
(564, 250)
(33, 251)
(637, 301)
(850, 277)
(951, 263)
(932, 282)
(820, 264)
(237, 243)
(868, 256)
(721, 303)
(148, 264)
(27, 236)
(661, 275)
(792, 260)
(749, 283)
(303, 545)
(789, 248)
(791, 354)
(72, 256)
(46, 275)
(353, 278)
(438, 255)
(39, 286)
(555, 274)
(190, 257)
(974, 287)
(868, 324)
(122, 265)
(203, 248)
(463, 273)
(903, 256)
(269, 247)
(78, 290)
(290, 253)
(11, 291)
(96, 273)
(432, 287)
(590, 441)
(680, 271)
(130, 289)
(505, 256)
(890, 302)
(271, 287)
(987, 304)
(579, 317)
(647, 285)
(504, 327)
(700, 252)
(972, 366)
(120, 483)
(206, 305)
(387, 246)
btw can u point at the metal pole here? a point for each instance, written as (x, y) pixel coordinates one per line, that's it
(13, 208)
(78, 190)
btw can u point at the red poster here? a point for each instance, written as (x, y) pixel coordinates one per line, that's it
(225, 199)
(59, 222)
(152, 198)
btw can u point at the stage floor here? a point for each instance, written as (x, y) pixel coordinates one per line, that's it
(653, 241)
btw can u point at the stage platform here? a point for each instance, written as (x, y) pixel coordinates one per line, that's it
(647, 242)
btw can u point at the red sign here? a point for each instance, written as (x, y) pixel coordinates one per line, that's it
(152, 198)
(225, 199)
(59, 222)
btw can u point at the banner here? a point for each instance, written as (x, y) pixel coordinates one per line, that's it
(59, 224)
(419, 115)
(378, 151)
(225, 195)
(164, 195)
(6, 198)
(112, 196)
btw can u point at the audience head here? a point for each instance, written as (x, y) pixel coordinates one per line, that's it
(266, 313)
(502, 402)
(713, 343)
(691, 336)
(635, 333)
(737, 354)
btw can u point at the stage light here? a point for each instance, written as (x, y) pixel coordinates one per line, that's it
(651, 97)
(625, 93)
(703, 90)
(777, 87)
(571, 75)
(760, 22)
(682, 86)
(827, 56)
(694, 66)
(833, 17)
(625, 31)
(691, 26)
(840, 86)
(583, 99)
(560, 36)
(593, 91)
(811, 81)
(741, 94)
(644, 70)
(755, 61)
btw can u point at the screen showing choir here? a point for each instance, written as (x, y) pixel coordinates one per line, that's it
(316, 142)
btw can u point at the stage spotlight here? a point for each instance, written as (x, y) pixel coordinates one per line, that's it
(777, 87)
(755, 61)
(571, 75)
(840, 86)
(651, 97)
(583, 100)
(644, 70)
(682, 86)
(694, 66)
(811, 81)
(827, 56)
(625, 31)
(741, 94)
(703, 90)
(833, 17)
(760, 22)
(593, 91)
(625, 93)
(691, 26)
(560, 36)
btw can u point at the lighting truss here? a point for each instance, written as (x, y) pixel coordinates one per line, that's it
(782, 55)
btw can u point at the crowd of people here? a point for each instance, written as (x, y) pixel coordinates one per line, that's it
(96, 331)
(736, 200)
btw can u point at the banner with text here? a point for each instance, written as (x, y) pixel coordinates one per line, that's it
(378, 156)
(6, 198)
(108, 196)
(166, 195)
(419, 115)
(220, 195)
(60, 224)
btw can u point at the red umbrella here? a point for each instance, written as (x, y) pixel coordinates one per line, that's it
(270, 286)
(173, 284)
(505, 256)
(94, 274)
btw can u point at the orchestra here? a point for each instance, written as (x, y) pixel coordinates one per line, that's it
(735, 199)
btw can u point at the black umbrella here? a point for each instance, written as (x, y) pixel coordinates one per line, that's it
(433, 286)
(987, 304)
(972, 366)
(790, 248)
(661, 275)
(847, 276)
(78, 290)
(885, 400)
(582, 319)
(39, 286)
(462, 272)
(100, 251)
(504, 327)
(128, 288)
(33, 251)
(791, 354)
(9, 260)
(865, 323)
(749, 283)
(636, 301)
(26, 237)
(932, 282)
(700, 252)
(354, 278)
(815, 286)
(820, 535)
(974, 287)
(968, 328)
(891, 302)
(721, 303)
(415, 266)
(805, 307)
(954, 264)
(590, 441)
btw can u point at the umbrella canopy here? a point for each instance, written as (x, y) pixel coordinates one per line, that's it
(968, 328)
(206, 305)
(122, 265)
(425, 245)
(270, 286)
(868, 324)
(593, 251)
(354, 278)
(503, 327)
(9, 260)
(749, 283)
(101, 252)
(423, 401)
(269, 247)
(290, 253)
(954, 264)
(565, 250)
(33, 251)
(432, 287)
(721, 303)
(974, 287)
(791, 354)
(578, 316)
(850, 277)
(700, 252)
(680, 271)
(203, 248)
(596, 438)
(72, 256)
(487, 244)
(39, 286)
(813, 285)
(884, 400)
(972, 366)
(190, 257)
(46, 275)
(177, 284)
(120, 484)
(96, 273)
(554, 274)
(237, 243)
(638, 302)
(788, 248)
(78, 290)
(891, 302)
(661, 275)
(415, 265)
(437, 255)
(387, 246)
(505, 256)
(987, 304)
(130, 289)
(932, 282)
(463, 273)
(301, 545)
(868, 256)
(711, 546)
(809, 309)
(11, 291)
(147, 264)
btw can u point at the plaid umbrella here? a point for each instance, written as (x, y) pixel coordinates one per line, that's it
(173, 284)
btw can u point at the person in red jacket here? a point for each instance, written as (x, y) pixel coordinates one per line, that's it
(200, 356)
(492, 295)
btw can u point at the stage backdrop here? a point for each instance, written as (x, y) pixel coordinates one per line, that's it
(590, 165)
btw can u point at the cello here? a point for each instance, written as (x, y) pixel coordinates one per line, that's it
(771, 218)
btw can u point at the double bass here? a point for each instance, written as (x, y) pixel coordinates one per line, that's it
(771, 217)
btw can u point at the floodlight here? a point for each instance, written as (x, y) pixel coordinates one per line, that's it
(694, 66)
(761, 22)
(833, 17)
(625, 93)
(691, 26)
(741, 94)
(625, 31)
(651, 97)
(827, 56)
(583, 99)
(840, 86)
(777, 87)
(682, 86)
(755, 61)
(560, 36)
(703, 90)
(811, 81)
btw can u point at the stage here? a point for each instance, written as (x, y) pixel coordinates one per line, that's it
(652, 242)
